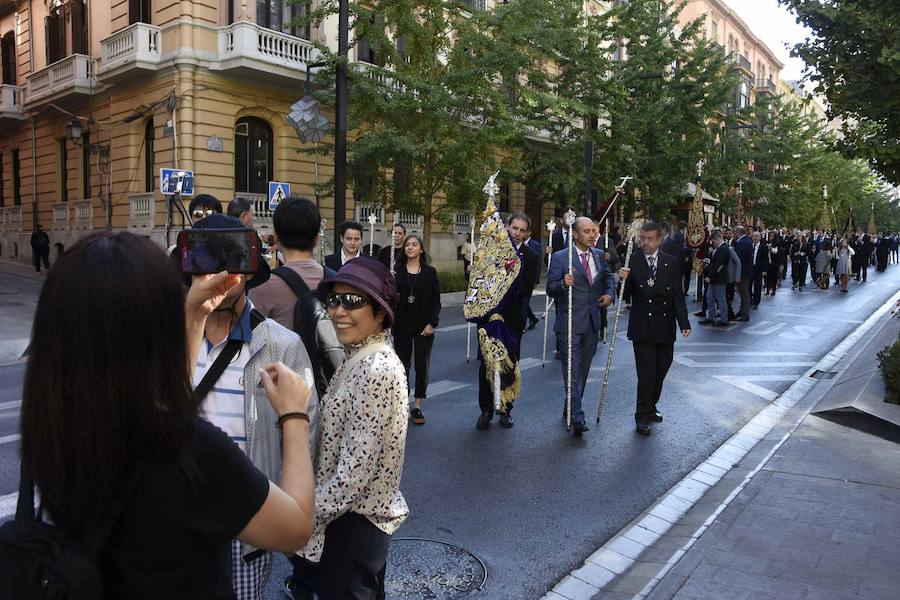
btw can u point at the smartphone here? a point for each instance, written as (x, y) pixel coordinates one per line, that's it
(205, 251)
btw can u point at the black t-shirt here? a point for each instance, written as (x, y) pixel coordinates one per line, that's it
(174, 538)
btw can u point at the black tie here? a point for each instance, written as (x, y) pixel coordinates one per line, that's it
(651, 260)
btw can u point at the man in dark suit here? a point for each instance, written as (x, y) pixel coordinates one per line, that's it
(715, 275)
(560, 238)
(518, 226)
(760, 263)
(534, 247)
(593, 289)
(744, 249)
(351, 240)
(657, 308)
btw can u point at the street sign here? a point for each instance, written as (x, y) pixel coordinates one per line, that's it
(173, 181)
(278, 191)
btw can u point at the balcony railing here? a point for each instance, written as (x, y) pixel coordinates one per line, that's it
(141, 210)
(410, 220)
(84, 214)
(262, 216)
(74, 74)
(462, 221)
(364, 210)
(137, 46)
(61, 216)
(10, 101)
(765, 86)
(741, 62)
(243, 44)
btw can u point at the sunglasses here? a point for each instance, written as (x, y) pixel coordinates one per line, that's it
(200, 213)
(348, 301)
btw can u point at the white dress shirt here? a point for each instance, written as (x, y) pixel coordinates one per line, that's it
(592, 265)
(345, 258)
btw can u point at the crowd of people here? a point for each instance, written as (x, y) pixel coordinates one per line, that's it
(220, 418)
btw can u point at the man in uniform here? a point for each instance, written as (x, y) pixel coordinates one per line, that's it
(657, 306)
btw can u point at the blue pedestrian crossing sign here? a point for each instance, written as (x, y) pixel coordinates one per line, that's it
(176, 181)
(278, 191)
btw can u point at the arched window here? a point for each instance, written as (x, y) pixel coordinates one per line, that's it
(149, 136)
(253, 164)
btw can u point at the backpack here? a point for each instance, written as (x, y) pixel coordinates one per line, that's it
(39, 561)
(308, 312)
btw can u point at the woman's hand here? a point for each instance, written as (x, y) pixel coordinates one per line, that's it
(208, 291)
(286, 390)
(428, 331)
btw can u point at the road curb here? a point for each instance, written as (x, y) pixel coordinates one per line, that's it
(622, 551)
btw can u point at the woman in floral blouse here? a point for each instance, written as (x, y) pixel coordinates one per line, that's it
(362, 437)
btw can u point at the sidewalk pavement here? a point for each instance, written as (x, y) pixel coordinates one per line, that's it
(19, 290)
(818, 516)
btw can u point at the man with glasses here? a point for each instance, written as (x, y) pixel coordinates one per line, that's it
(203, 206)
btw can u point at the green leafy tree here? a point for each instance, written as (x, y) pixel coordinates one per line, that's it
(854, 58)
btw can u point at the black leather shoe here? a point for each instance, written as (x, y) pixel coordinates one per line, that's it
(579, 428)
(704, 322)
(484, 421)
(700, 313)
(657, 418)
(742, 319)
(532, 323)
(643, 428)
(506, 420)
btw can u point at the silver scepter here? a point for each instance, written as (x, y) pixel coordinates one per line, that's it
(471, 260)
(570, 221)
(393, 252)
(372, 220)
(633, 230)
(551, 227)
(322, 241)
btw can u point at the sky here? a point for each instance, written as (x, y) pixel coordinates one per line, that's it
(777, 27)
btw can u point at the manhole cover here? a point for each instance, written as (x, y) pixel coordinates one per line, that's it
(431, 569)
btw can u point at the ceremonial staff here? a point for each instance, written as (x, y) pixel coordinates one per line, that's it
(393, 252)
(471, 260)
(697, 234)
(570, 221)
(633, 230)
(322, 241)
(551, 227)
(372, 220)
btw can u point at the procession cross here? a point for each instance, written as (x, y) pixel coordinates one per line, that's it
(372, 220)
(825, 192)
(699, 167)
(621, 187)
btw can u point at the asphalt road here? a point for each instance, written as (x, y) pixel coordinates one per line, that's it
(533, 502)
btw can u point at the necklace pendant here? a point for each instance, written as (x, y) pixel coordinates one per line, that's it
(411, 299)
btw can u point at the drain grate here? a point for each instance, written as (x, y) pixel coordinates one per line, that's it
(823, 374)
(418, 568)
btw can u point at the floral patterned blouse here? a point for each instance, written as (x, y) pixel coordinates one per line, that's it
(361, 443)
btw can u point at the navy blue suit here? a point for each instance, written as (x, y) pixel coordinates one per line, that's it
(586, 316)
(744, 249)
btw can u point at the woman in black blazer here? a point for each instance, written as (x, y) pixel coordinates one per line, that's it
(800, 253)
(417, 315)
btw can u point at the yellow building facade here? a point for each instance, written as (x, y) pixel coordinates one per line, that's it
(200, 85)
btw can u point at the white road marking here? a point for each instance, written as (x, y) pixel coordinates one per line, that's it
(746, 383)
(8, 505)
(444, 386)
(8, 439)
(529, 363)
(764, 328)
(452, 328)
(689, 362)
(742, 353)
(10, 405)
(801, 332)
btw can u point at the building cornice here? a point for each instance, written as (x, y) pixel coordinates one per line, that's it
(745, 29)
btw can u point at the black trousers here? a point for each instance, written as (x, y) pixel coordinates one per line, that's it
(353, 560)
(652, 362)
(799, 273)
(687, 271)
(756, 284)
(486, 385)
(415, 348)
(526, 309)
(729, 299)
(864, 269)
(41, 257)
(772, 280)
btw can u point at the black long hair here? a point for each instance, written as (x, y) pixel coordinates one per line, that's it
(107, 381)
(401, 258)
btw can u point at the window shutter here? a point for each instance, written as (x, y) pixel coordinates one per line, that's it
(79, 24)
(50, 36)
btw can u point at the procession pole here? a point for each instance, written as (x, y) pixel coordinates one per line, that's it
(471, 260)
(570, 221)
(393, 252)
(372, 220)
(322, 241)
(551, 227)
(632, 231)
